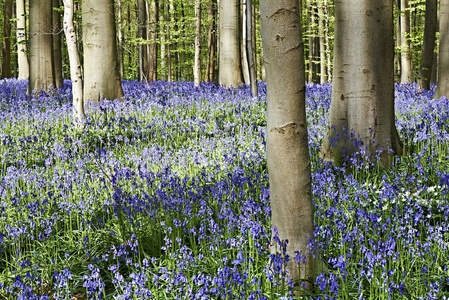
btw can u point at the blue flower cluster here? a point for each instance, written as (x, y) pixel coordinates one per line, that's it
(166, 196)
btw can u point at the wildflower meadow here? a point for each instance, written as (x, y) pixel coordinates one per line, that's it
(165, 196)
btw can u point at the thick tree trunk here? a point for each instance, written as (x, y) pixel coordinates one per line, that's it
(6, 49)
(287, 146)
(250, 49)
(363, 81)
(406, 59)
(443, 54)
(211, 41)
(425, 69)
(152, 49)
(57, 47)
(41, 46)
(101, 76)
(22, 58)
(197, 63)
(75, 64)
(229, 52)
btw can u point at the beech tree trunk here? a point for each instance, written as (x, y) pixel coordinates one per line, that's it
(243, 36)
(287, 143)
(152, 49)
(22, 58)
(167, 31)
(41, 46)
(363, 81)
(250, 49)
(406, 60)
(197, 63)
(101, 76)
(211, 41)
(229, 52)
(120, 39)
(425, 68)
(322, 33)
(310, 25)
(443, 54)
(75, 64)
(142, 34)
(57, 47)
(6, 50)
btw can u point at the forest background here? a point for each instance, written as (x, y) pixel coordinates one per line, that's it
(169, 26)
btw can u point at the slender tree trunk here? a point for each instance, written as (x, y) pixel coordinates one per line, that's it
(321, 31)
(6, 50)
(22, 58)
(142, 34)
(41, 46)
(162, 34)
(243, 50)
(326, 40)
(152, 50)
(250, 50)
(398, 42)
(443, 56)
(406, 60)
(292, 209)
(169, 24)
(197, 66)
(311, 19)
(211, 41)
(425, 69)
(75, 64)
(57, 47)
(101, 76)
(120, 39)
(363, 83)
(229, 54)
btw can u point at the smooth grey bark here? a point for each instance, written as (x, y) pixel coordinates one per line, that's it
(101, 75)
(6, 49)
(427, 54)
(120, 39)
(163, 42)
(152, 35)
(243, 35)
(57, 31)
(250, 49)
(287, 147)
(142, 35)
(310, 25)
(406, 58)
(211, 41)
(443, 53)
(229, 50)
(22, 58)
(169, 7)
(322, 33)
(197, 62)
(41, 46)
(75, 64)
(363, 81)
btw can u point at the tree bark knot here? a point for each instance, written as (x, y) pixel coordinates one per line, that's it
(288, 129)
(280, 11)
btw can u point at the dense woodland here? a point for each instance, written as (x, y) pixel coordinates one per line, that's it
(221, 173)
(156, 39)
